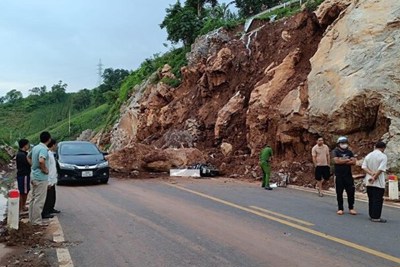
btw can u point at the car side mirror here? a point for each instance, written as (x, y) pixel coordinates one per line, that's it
(104, 153)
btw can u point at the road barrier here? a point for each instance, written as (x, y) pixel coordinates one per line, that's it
(13, 209)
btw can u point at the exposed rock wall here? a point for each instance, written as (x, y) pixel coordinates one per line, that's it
(283, 83)
(354, 85)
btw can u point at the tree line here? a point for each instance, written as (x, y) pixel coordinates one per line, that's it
(185, 21)
(106, 92)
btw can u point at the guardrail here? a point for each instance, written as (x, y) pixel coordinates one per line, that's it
(249, 21)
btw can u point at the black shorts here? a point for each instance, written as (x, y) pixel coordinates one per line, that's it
(322, 172)
(24, 184)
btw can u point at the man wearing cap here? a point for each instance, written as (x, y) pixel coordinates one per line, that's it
(343, 159)
(375, 166)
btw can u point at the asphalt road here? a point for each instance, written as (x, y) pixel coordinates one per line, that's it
(217, 222)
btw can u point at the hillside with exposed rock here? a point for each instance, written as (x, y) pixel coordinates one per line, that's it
(333, 72)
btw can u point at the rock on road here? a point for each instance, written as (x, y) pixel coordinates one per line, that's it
(218, 222)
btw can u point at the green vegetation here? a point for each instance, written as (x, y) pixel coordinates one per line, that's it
(92, 118)
(175, 58)
(312, 5)
(4, 157)
(99, 108)
(281, 12)
(252, 7)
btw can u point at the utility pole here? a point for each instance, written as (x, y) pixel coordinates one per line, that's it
(100, 72)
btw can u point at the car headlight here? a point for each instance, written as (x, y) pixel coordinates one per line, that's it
(66, 166)
(103, 164)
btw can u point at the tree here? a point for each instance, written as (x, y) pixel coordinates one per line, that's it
(112, 80)
(38, 90)
(199, 5)
(12, 96)
(82, 99)
(182, 24)
(58, 91)
(251, 7)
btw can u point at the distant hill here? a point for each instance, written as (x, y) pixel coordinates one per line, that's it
(26, 118)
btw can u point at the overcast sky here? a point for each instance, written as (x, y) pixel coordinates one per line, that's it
(42, 42)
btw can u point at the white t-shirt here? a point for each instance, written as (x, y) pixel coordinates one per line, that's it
(52, 176)
(375, 161)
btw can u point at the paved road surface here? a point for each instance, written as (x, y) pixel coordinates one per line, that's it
(217, 222)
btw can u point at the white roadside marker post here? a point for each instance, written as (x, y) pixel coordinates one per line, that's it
(393, 187)
(13, 209)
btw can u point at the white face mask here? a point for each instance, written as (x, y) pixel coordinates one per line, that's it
(344, 146)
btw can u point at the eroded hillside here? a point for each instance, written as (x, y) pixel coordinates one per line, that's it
(281, 83)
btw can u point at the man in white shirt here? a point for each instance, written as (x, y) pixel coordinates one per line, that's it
(50, 202)
(375, 166)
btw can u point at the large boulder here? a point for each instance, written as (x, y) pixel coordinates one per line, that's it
(86, 135)
(163, 160)
(329, 10)
(354, 85)
(234, 105)
(207, 45)
(126, 128)
(263, 97)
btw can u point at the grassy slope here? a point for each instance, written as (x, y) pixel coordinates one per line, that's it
(91, 118)
(18, 123)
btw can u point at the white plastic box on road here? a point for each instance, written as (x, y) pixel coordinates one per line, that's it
(185, 172)
(13, 209)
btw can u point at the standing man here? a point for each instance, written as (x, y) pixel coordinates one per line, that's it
(321, 159)
(50, 202)
(344, 158)
(265, 164)
(23, 173)
(375, 166)
(39, 158)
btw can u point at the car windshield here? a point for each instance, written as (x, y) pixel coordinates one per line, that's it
(79, 149)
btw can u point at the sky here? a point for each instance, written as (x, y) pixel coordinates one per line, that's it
(42, 42)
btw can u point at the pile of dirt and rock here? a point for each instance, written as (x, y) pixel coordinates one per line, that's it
(31, 243)
(282, 83)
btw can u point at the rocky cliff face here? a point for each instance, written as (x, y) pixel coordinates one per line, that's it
(282, 83)
(354, 85)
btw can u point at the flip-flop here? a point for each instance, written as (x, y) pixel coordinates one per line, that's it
(340, 212)
(353, 212)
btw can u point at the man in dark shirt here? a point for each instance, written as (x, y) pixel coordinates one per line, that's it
(343, 159)
(23, 173)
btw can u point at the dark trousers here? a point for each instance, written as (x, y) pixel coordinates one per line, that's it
(375, 201)
(345, 183)
(50, 200)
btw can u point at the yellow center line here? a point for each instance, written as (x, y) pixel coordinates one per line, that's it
(282, 216)
(296, 226)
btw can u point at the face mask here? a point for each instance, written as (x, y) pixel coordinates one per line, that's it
(344, 146)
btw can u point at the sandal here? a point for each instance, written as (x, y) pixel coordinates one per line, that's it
(340, 212)
(353, 212)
